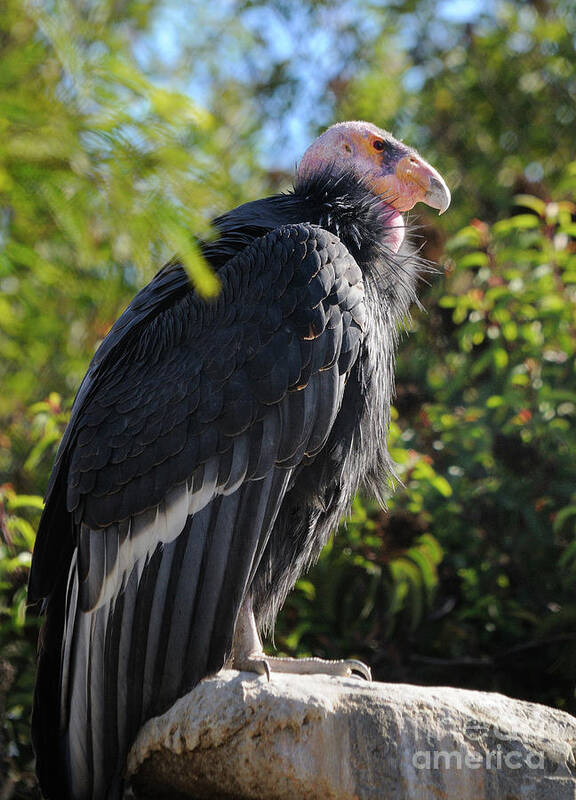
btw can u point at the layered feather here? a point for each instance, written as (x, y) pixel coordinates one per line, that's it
(212, 448)
(183, 442)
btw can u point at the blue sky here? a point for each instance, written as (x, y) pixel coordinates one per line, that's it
(313, 53)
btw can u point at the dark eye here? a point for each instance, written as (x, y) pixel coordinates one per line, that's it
(378, 144)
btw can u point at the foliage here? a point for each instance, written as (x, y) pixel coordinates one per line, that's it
(364, 586)
(19, 516)
(103, 175)
(492, 100)
(499, 396)
(120, 142)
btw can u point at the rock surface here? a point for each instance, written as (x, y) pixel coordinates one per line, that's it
(237, 736)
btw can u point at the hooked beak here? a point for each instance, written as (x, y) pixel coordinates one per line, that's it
(414, 181)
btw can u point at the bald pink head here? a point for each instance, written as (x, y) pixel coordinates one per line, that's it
(391, 170)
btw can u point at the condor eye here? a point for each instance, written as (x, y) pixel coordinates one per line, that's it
(378, 144)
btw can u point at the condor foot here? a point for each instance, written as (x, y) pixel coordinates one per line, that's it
(265, 665)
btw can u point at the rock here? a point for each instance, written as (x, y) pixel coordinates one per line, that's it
(237, 736)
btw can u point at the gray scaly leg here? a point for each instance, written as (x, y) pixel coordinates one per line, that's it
(248, 655)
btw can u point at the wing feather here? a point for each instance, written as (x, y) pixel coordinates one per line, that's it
(175, 472)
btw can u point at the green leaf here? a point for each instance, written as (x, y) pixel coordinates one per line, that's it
(494, 401)
(517, 223)
(534, 203)
(475, 259)
(26, 500)
(441, 485)
(563, 515)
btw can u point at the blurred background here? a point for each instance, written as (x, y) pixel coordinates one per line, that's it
(125, 125)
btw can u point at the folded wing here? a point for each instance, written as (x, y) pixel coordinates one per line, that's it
(182, 443)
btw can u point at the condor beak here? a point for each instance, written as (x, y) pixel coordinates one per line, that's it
(437, 194)
(414, 181)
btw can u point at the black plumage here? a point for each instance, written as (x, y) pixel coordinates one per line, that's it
(213, 447)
